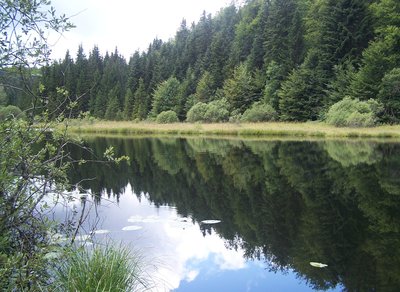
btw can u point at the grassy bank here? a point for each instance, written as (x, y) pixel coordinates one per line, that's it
(320, 130)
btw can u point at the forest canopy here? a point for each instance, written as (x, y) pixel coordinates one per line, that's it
(295, 57)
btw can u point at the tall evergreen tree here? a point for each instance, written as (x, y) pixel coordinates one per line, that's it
(128, 105)
(329, 34)
(240, 90)
(141, 105)
(381, 56)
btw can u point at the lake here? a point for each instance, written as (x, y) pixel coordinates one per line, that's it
(248, 215)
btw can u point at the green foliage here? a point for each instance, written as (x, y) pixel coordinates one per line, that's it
(339, 87)
(113, 112)
(298, 56)
(26, 173)
(11, 111)
(353, 113)
(166, 97)
(300, 95)
(167, 117)
(197, 112)
(389, 95)
(3, 96)
(239, 90)
(128, 105)
(273, 84)
(379, 58)
(100, 269)
(215, 111)
(141, 102)
(205, 88)
(259, 112)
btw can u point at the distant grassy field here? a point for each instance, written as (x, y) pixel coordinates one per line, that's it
(309, 129)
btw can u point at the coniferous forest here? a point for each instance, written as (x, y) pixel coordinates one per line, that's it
(287, 60)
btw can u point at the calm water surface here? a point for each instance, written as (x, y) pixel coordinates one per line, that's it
(279, 205)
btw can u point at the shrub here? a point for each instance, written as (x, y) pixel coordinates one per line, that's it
(100, 269)
(167, 117)
(353, 113)
(217, 111)
(259, 112)
(10, 111)
(197, 112)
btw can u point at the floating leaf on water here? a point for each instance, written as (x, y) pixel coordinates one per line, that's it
(318, 265)
(132, 228)
(211, 221)
(101, 231)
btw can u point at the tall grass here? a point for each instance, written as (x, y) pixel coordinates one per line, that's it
(101, 269)
(269, 129)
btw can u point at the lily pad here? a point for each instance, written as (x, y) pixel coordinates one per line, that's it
(132, 228)
(101, 231)
(318, 265)
(211, 221)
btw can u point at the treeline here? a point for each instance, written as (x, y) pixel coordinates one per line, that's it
(289, 60)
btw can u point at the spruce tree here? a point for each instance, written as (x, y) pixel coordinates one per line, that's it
(381, 56)
(141, 105)
(128, 105)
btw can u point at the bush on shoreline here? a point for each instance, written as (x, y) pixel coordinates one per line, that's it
(353, 113)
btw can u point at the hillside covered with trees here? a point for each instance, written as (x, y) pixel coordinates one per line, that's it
(289, 60)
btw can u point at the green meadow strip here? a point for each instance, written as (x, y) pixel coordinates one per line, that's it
(319, 130)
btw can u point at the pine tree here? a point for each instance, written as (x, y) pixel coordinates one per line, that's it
(300, 95)
(334, 29)
(205, 89)
(141, 105)
(113, 109)
(283, 46)
(240, 90)
(382, 55)
(128, 105)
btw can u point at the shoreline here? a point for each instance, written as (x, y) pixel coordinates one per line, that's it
(255, 130)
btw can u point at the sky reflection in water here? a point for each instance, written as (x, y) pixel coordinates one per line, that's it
(179, 256)
(287, 203)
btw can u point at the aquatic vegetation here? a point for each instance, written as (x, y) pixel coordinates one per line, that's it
(211, 221)
(318, 265)
(101, 269)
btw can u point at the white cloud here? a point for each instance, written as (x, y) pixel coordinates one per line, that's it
(127, 24)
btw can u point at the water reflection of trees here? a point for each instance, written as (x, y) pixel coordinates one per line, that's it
(288, 203)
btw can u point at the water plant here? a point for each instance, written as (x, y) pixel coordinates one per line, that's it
(101, 268)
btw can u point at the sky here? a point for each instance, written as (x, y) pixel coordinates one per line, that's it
(129, 25)
(173, 250)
